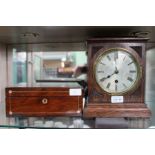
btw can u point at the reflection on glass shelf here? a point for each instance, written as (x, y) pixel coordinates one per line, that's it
(19, 68)
(62, 82)
(56, 84)
(57, 64)
(47, 123)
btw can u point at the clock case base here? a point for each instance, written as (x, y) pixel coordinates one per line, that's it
(127, 110)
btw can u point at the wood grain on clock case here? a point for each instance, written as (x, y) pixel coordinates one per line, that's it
(134, 100)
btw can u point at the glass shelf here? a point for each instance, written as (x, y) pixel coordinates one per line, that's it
(47, 123)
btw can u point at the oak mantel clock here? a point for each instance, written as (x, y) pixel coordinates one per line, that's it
(116, 78)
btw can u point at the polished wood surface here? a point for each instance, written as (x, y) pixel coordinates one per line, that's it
(39, 101)
(131, 107)
(117, 111)
(65, 34)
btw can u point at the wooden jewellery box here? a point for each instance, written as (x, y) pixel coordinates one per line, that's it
(44, 101)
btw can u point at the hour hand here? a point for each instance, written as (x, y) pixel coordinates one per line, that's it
(116, 70)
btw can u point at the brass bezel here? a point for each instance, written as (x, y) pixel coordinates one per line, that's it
(139, 71)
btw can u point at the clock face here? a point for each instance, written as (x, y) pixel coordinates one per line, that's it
(116, 71)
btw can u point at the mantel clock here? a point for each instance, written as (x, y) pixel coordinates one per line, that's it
(116, 78)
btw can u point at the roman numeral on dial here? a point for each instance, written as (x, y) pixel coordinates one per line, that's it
(124, 58)
(102, 63)
(130, 79)
(130, 63)
(124, 85)
(115, 55)
(108, 57)
(108, 85)
(132, 71)
(115, 87)
(100, 71)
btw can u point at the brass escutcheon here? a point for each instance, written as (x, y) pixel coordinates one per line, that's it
(44, 101)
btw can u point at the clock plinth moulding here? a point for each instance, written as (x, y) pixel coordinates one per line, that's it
(132, 102)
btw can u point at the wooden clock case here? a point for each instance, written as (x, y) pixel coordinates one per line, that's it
(99, 102)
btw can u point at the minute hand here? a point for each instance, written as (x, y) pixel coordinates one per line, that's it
(104, 78)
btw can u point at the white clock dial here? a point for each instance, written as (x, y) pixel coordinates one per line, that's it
(116, 71)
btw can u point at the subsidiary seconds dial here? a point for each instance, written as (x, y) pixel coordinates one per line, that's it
(117, 71)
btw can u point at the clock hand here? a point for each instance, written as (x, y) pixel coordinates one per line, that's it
(116, 70)
(112, 74)
(104, 78)
(115, 61)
